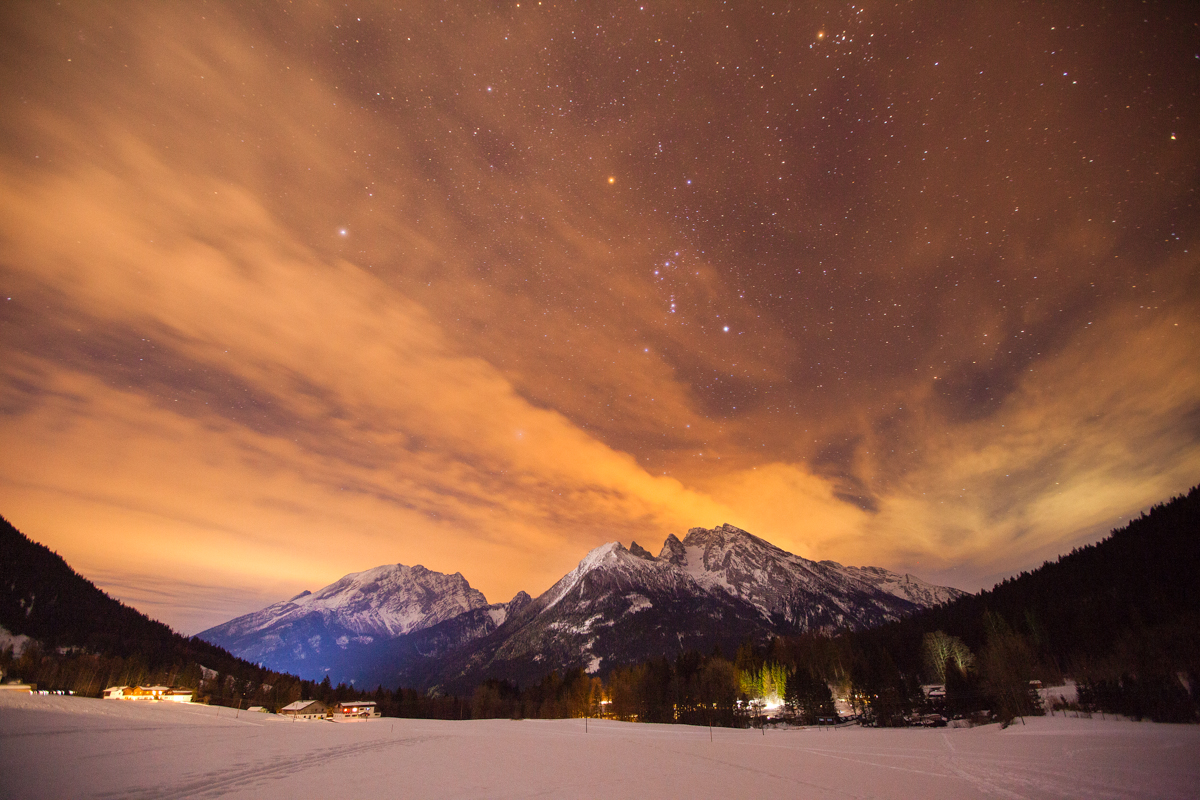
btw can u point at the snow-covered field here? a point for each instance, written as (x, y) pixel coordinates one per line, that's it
(66, 747)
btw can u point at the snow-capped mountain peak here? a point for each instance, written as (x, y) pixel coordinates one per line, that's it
(390, 600)
(783, 585)
(378, 603)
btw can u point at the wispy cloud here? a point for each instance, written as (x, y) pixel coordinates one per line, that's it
(286, 296)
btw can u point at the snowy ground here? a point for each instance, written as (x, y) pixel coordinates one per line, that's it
(66, 747)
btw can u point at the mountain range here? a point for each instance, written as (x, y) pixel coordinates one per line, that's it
(397, 625)
(1122, 617)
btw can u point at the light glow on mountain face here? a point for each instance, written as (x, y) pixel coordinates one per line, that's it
(288, 293)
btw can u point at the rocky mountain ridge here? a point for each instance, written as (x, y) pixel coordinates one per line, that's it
(398, 625)
(715, 588)
(807, 594)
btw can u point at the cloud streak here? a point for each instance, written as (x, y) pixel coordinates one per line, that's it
(289, 294)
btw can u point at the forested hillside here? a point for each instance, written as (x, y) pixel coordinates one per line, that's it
(1122, 617)
(43, 598)
(1134, 595)
(86, 640)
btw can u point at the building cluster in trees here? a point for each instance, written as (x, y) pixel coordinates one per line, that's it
(693, 688)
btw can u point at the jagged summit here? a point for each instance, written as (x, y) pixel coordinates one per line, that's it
(612, 568)
(801, 592)
(673, 550)
(639, 551)
(715, 587)
(724, 532)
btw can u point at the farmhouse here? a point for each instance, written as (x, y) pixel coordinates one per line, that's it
(362, 709)
(148, 693)
(305, 709)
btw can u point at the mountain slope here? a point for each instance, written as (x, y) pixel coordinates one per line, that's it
(413, 659)
(43, 598)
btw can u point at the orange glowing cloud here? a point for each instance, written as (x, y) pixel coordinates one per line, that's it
(289, 296)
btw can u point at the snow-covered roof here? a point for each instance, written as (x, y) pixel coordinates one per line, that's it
(299, 705)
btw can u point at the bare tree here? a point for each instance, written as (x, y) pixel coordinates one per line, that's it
(941, 649)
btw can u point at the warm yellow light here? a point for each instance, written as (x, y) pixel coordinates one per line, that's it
(611, 179)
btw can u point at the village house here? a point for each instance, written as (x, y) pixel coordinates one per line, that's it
(305, 709)
(360, 709)
(164, 693)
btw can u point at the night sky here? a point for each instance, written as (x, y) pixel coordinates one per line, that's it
(290, 290)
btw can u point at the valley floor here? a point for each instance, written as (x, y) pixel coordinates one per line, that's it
(57, 747)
